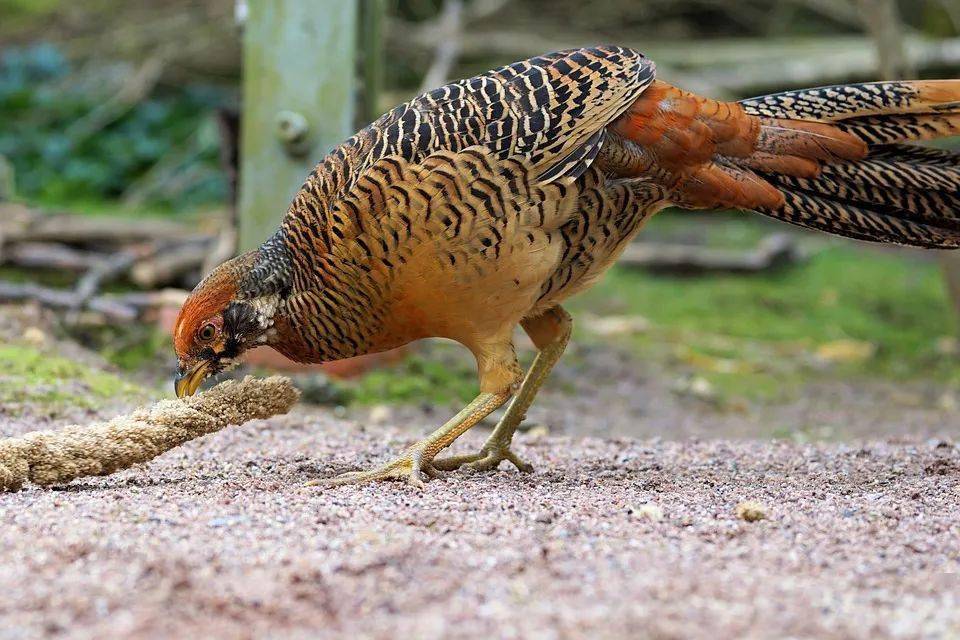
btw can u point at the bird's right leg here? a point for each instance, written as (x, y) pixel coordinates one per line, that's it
(550, 333)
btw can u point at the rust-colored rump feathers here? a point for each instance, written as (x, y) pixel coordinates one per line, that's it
(707, 151)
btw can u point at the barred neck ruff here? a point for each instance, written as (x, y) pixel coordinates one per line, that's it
(271, 271)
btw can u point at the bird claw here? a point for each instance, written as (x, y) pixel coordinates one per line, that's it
(489, 457)
(413, 468)
(409, 466)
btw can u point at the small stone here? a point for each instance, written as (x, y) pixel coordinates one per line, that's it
(538, 431)
(948, 402)
(225, 521)
(617, 325)
(381, 414)
(947, 346)
(843, 351)
(545, 517)
(695, 387)
(649, 511)
(701, 388)
(751, 511)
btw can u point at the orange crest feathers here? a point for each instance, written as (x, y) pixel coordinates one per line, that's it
(210, 297)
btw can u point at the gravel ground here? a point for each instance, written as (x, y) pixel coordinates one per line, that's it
(609, 538)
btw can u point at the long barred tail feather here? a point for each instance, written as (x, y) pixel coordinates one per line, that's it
(898, 193)
(840, 103)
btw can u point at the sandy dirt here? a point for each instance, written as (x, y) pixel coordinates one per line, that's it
(627, 529)
(222, 537)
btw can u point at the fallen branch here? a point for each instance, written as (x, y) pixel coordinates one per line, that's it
(63, 299)
(46, 296)
(108, 307)
(50, 255)
(448, 29)
(149, 253)
(223, 248)
(168, 266)
(774, 251)
(724, 67)
(106, 271)
(112, 308)
(21, 224)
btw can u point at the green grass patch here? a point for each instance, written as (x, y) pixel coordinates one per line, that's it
(96, 207)
(439, 377)
(846, 312)
(27, 11)
(32, 375)
(130, 347)
(44, 277)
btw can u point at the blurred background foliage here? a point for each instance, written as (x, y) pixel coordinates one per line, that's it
(107, 101)
(45, 101)
(114, 106)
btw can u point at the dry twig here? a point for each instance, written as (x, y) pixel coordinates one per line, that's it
(449, 27)
(774, 251)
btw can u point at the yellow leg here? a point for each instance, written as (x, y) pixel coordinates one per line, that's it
(550, 333)
(418, 458)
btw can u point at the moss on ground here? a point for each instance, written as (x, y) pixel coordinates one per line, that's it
(36, 376)
(443, 376)
(850, 311)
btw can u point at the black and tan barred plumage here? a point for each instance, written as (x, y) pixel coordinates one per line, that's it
(542, 157)
(476, 171)
(487, 202)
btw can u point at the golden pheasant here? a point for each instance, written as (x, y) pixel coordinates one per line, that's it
(484, 204)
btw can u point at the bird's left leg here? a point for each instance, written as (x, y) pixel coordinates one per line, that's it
(550, 333)
(499, 373)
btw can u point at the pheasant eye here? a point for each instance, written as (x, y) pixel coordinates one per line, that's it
(207, 332)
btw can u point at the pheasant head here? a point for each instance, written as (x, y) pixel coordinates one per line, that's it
(230, 311)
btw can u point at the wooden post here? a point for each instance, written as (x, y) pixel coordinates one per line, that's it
(299, 79)
(373, 15)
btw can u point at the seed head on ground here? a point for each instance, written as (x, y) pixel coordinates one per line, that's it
(649, 511)
(751, 511)
(55, 457)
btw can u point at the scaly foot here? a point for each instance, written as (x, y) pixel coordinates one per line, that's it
(411, 465)
(418, 459)
(489, 457)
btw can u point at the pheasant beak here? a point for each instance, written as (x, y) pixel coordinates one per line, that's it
(187, 381)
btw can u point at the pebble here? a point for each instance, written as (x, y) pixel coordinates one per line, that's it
(751, 511)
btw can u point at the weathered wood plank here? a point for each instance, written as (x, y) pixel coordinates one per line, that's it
(299, 58)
